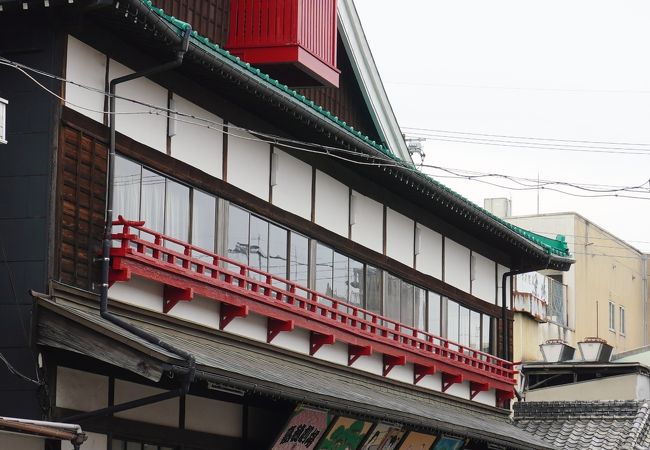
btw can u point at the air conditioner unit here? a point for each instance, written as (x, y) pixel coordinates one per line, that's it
(3, 120)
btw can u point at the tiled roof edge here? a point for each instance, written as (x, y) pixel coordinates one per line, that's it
(557, 247)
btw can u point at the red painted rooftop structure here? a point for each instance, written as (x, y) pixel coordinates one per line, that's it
(292, 40)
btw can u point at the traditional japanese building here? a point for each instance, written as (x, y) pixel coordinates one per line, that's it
(277, 273)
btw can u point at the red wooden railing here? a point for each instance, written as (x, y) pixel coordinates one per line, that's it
(169, 254)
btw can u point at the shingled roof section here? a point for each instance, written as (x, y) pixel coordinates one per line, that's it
(587, 425)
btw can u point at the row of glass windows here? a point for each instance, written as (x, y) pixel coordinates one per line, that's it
(191, 215)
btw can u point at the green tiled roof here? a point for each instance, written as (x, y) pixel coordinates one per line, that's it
(556, 247)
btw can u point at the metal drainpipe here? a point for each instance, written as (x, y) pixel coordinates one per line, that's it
(644, 291)
(108, 227)
(504, 308)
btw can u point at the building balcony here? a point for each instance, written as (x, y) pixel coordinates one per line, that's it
(187, 271)
(542, 297)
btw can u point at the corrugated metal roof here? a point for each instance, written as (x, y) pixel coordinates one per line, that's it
(260, 368)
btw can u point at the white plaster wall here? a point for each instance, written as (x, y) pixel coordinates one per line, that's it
(253, 327)
(433, 382)
(201, 310)
(402, 373)
(161, 413)
(296, 340)
(332, 204)
(292, 191)
(621, 387)
(500, 271)
(487, 397)
(95, 442)
(484, 284)
(148, 129)
(456, 270)
(198, 145)
(17, 442)
(86, 66)
(429, 260)
(399, 237)
(373, 363)
(139, 292)
(81, 391)
(642, 387)
(368, 226)
(459, 390)
(336, 353)
(213, 416)
(249, 163)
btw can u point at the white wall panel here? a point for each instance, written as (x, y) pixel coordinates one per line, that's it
(198, 145)
(368, 226)
(373, 363)
(249, 163)
(399, 237)
(296, 340)
(332, 204)
(86, 66)
(484, 284)
(459, 389)
(402, 373)
(95, 442)
(201, 310)
(501, 271)
(487, 397)
(253, 327)
(18, 442)
(456, 265)
(148, 129)
(429, 260)
(292, 191)
(213, 416)
(81, 391)
(161, 413)
(433, 382)
(139, 292)
(336, 353)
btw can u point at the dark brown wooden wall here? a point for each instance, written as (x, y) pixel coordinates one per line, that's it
(208, 17)
(81, 193)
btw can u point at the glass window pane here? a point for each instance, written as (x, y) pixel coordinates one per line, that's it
(486, 334)
(117, 444)
(177, 213)
(392, 297)
(463, 334)
(133, 446)
(452, 320)
(420, 309)
(258, 249)
(406, 303)
(475, 330)
(204, 217)
(278, 251)
(152, 207)
(324, 269)
(238, 222)
(357, 283)
(340, 277)
(149, 447)
(373, 289)
(299, 259)
(434, 314)
(126, 191)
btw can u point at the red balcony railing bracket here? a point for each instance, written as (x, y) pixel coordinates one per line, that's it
(240, 289)
(230, 312)
(276, 326)
(449, 379)
(391, 361)
(356, 351)
(317, 340)
(475, 388)
(172, 295)
(504, 396)
(420, 371)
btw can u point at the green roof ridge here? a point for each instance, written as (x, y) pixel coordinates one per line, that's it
(552, 246)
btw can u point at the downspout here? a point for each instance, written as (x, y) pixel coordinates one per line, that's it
(644, 291)
(504, 308)
(108, 227)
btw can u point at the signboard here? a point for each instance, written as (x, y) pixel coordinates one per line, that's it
(417, 441)
(303, 431)
(345, 434)
(383, 437)
(447, 443)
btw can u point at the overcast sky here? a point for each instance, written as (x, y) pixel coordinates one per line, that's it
(558, 69)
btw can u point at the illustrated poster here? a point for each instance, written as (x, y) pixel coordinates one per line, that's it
(345, 434)
(383, 437)
(303, 431)
(447, 443)
(417, 441)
